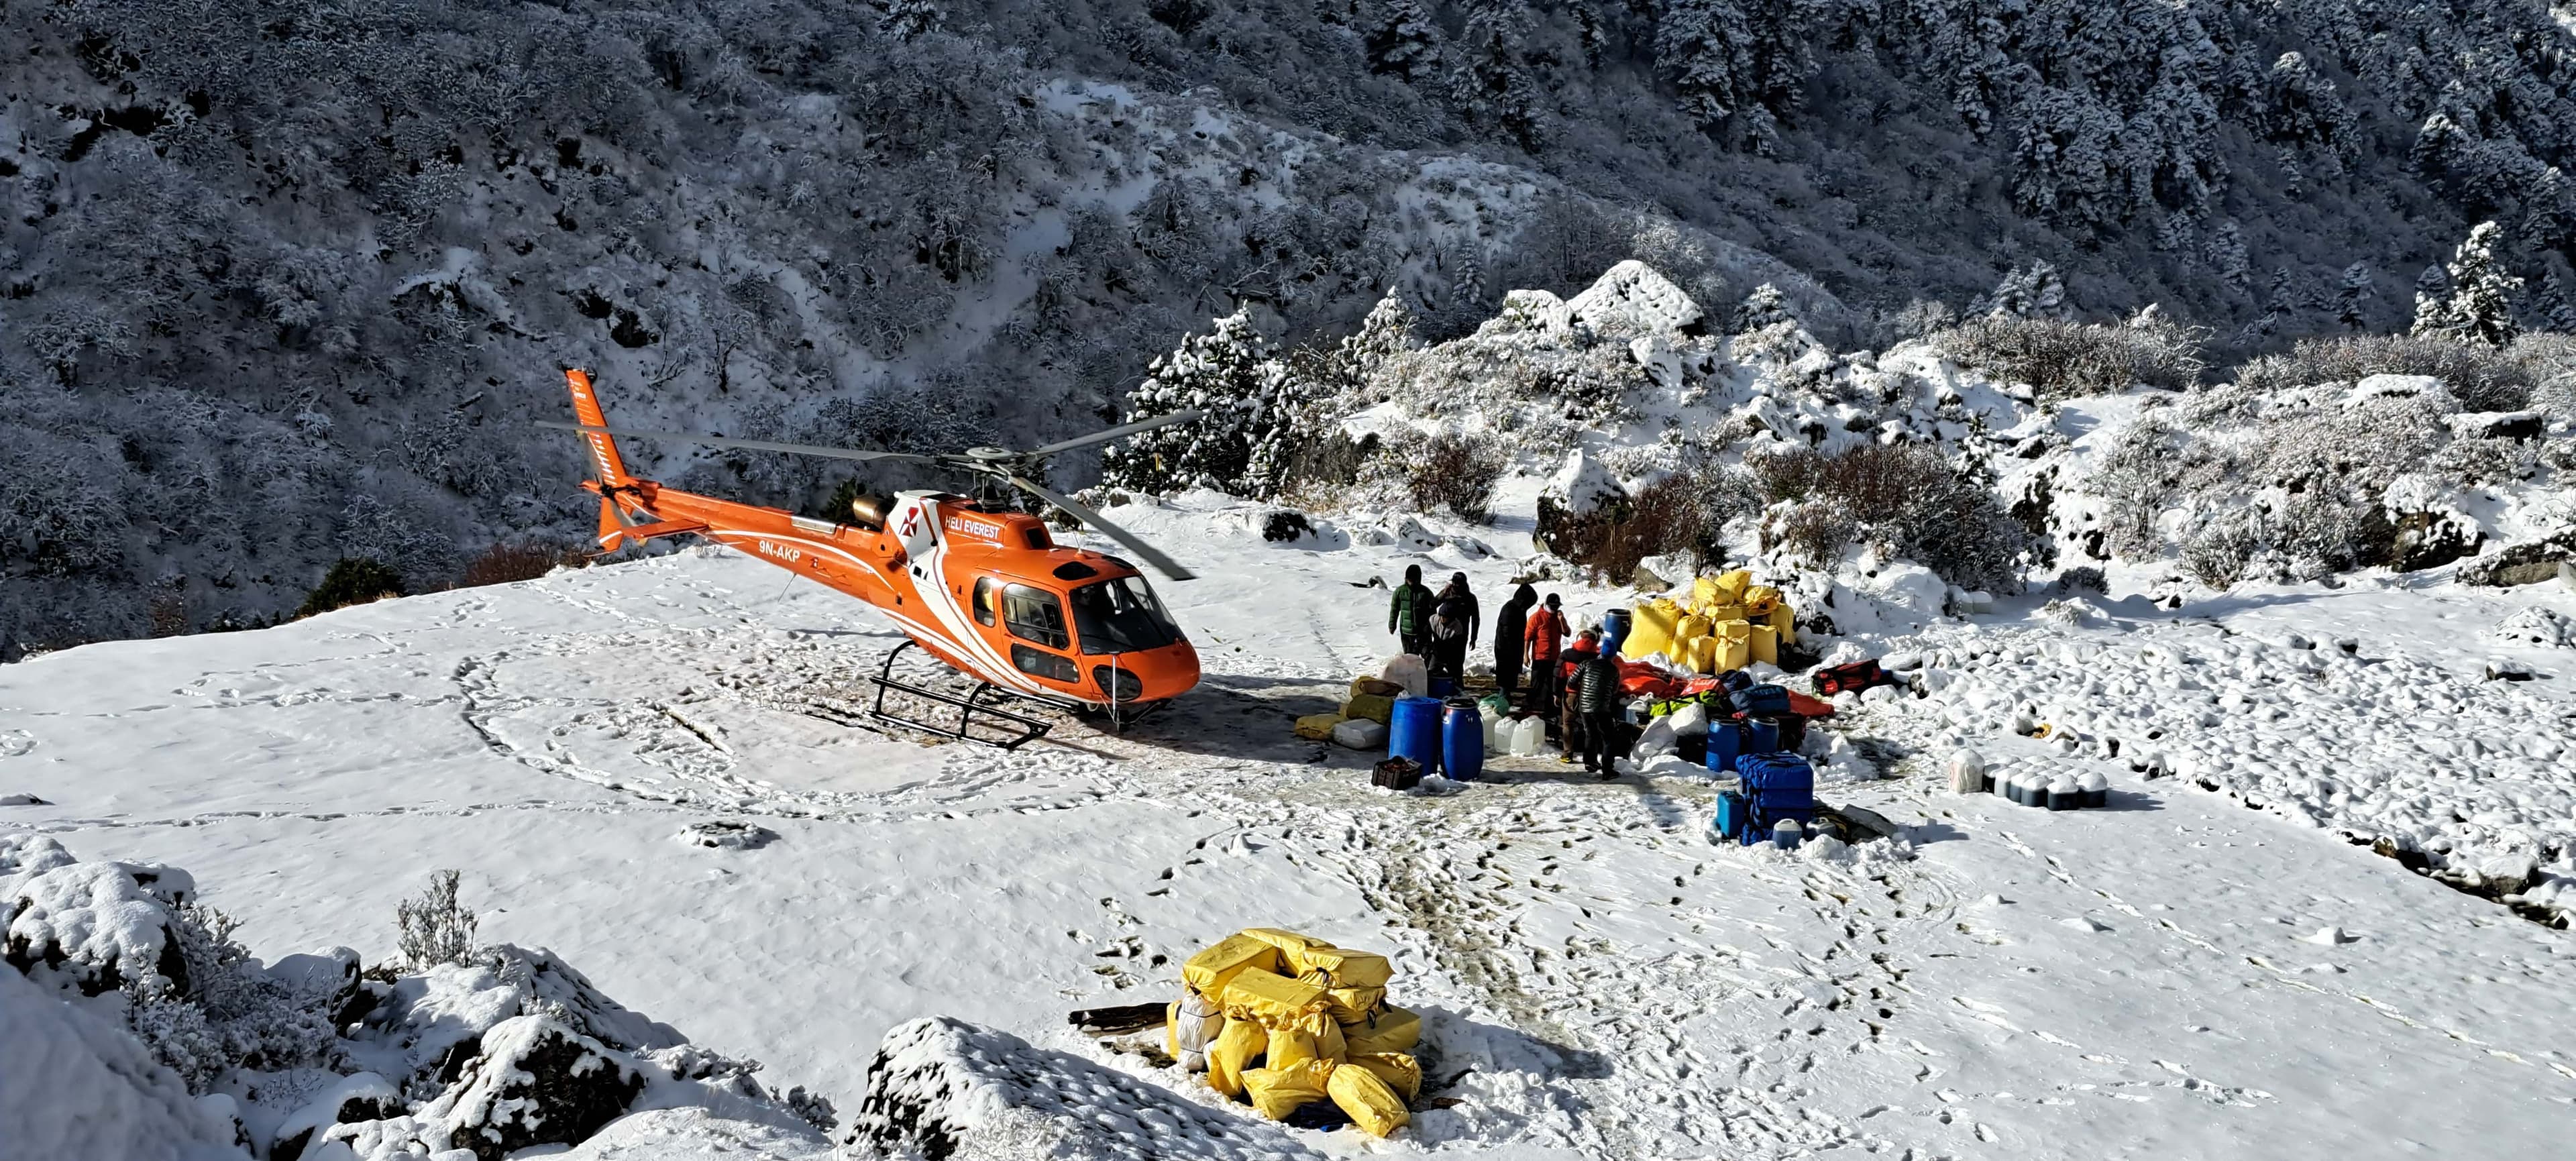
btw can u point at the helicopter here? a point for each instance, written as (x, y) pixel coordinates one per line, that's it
(972, 581)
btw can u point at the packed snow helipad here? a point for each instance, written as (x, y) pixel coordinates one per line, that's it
(2157, 978)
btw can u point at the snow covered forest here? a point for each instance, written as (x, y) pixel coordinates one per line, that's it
(285, 283)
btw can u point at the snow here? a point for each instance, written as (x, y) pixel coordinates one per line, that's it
(73, 1083)
(95, 925)
(1595, 978)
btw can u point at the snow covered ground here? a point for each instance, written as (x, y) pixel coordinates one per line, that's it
(2150, 979)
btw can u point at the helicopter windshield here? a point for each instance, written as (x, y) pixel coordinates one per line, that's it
(1121, 615)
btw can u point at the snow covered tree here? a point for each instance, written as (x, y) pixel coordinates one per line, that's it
(1384, 334)
(1492, 82)
(1737, 69)
(2227, 252)
(2558, 303)
(2036, 292)
(2479, 308)
(1229, 376)
(2549, 212)
(907, 19)
(1765, 307)
(1402, 40)
(2354, 296)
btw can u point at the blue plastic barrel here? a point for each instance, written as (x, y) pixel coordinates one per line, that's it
(1413, 731)
(1725, 741)
(1462, 743)
(1443, 687)
(1614, 628)
(1761, 736)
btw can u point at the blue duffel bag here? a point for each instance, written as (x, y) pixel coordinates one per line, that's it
(1776, 771)
(1733, 680)
(1762, 699)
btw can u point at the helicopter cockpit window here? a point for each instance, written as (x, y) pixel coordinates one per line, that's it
(985, 594)
(1035, 615)
(1122, 615)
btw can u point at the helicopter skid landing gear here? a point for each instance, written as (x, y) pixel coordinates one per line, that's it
(980, 716)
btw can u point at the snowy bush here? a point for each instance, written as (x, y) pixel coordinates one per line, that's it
(436, 929)
(1901, 499)
(352, 581)
(1452, 471)
(2484, 378)
(2060, 359)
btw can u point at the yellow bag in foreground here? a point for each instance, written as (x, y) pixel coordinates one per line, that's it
(1652, 630)
(1314, 1040)
(1272, 999)
(1233, 1051)
(1370, 1103)
(1349, 969)
(1277, 1092)
(1399, 1070)
(1318, 727)
(1210, 970)
(1375, 707)
(1352, 1005)
(1392, 1030)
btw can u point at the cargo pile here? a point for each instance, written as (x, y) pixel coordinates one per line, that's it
(1728, 623)
(1285, 1022)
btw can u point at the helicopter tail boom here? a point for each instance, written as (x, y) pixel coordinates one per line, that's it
(610, 466)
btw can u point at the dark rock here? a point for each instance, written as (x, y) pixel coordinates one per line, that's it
(2431, 540)
(536, 1082)
(2528, 563)
(1283, 525)
(362, 1097)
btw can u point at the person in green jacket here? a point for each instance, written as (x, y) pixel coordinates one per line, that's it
(1409, 618)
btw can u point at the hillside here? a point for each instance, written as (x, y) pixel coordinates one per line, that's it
(284, 283)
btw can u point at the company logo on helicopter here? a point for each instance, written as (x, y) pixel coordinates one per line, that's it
(961, 525)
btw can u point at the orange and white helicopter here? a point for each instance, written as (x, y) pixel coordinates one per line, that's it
(976, 584)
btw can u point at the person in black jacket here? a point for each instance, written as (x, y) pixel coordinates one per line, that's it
(1409, 615)
(1592, 695)
(1507, 639)
(1454, 621)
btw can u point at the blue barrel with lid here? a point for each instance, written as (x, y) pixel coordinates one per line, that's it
(1761, 736)
(1413, 731)
(1462, 742)
(1614, 629)
(1725, 743)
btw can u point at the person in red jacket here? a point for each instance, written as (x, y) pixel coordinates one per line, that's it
(1546, 639)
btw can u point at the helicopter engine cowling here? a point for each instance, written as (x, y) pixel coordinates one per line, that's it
(869, 510)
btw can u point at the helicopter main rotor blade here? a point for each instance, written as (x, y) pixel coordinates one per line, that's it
(1152, 555)
(1121, 431)
(801, 449)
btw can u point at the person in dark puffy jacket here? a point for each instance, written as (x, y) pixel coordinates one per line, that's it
(1408, 616)
(1508, 627)
(1592, 695)
(1454, 621)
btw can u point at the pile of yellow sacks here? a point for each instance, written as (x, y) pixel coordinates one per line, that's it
(1371, 699)
(1313, 1017)
(1729, 623)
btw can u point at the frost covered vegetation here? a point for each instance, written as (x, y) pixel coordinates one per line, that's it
(282, 282)
(487, 1049)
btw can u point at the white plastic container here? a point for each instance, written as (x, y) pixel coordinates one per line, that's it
(1529, 736)
(1786, 833)
(1967, 773)
(1360, 734)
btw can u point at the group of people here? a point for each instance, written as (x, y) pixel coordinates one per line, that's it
(1574, 684)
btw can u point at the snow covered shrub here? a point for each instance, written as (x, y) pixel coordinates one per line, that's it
(2060, 359)
(1237, 444)
(353, 581)
(2218, 554)
(435, 927)
(2483, 378)
(1452, 471)
(231, 1014)
(1903, 499)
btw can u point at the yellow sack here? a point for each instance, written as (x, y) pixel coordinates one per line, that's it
(1759, 600)
(1652, 630)
(1209, 971)
(1318, 727)
(1764, 644)
(1290, 945)
(1399, 1070)
(1271, 999)
(1701, 654)
(1732, 583)
(1375, 707)
(1277, 1092)
(1232, 1053)
(1375, 687)
(1720, 614)
(1369, 1102)
(1784, 621)
(1690, 629)
(1352, 1005)
(1312, 1040)
(1730, 655)
(1349, 969)
(1704, 593)
(1392, 1029)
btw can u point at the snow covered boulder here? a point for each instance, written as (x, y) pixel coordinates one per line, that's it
(1579, 497)
(1633, 296)
(1536, 312)
(536, 1082)
(941, 1087)
(2375, 389)
(25, 856)
(363, 1096)
(439, 1017)
(74, 1084)
(2543, 627)
(97, 926)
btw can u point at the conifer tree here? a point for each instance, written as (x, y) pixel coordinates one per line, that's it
(2558, 304)
(909, 19)
(2227, 252)
(2353, 297)
(1402, 40)
(1765, 307)
(2479, 308)
(1229, 376)
(2036, 292)
(1492, 83)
